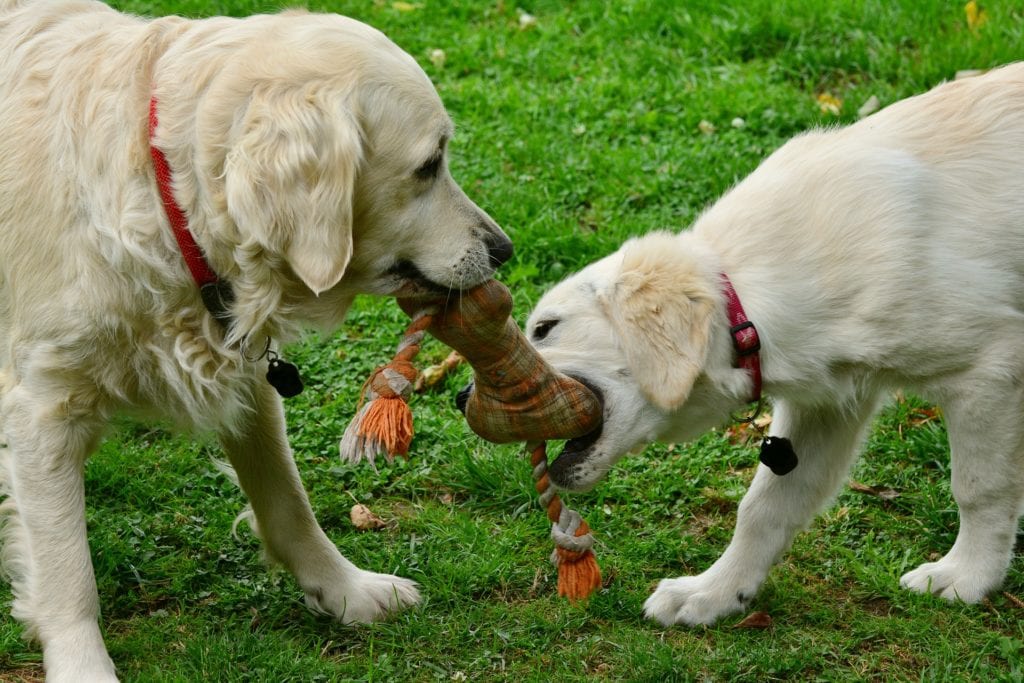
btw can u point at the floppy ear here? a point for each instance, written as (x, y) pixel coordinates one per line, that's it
(290, 179)
(662, 312)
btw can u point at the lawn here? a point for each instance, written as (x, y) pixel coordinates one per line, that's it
(579, 125)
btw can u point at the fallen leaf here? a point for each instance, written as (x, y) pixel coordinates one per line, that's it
(967, 73)
(924, 415)
(829, 104)
(363, 519)
(882, 492)
(755, 620)
(976, 16)
(406, 6)
(432, 376)
(741, 432)
(869, 107)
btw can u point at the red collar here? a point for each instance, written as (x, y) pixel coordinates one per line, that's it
(194, 259)
(216, 293)
(744, 337)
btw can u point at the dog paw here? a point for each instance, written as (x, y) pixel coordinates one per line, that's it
(364, 597)
(695, 600)
(950, 580)
(75, 654)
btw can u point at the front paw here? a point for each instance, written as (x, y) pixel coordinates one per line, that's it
(695, 600)
(951, 580)
(364, 597)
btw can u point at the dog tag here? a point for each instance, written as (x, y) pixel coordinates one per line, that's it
(777, 454)
(284, 377)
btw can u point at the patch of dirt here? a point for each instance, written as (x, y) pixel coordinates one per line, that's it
(28, 674)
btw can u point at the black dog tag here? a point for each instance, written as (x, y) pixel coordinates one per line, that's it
(284, 377)
(777, 454)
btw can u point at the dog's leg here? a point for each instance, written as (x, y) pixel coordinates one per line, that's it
(987, 443)
(262, 459)
(48, 441)
(770, 514)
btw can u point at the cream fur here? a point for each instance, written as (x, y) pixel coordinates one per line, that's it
(889, 254)
(298, 144)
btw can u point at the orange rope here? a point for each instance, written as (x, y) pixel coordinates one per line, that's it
(578, 573)
(383, 423)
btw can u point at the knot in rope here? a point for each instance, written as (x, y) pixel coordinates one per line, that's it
(578, 573)
(383, 423)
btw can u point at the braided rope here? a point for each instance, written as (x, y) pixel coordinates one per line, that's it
(578, 573)
(383, 425)
(383, 422)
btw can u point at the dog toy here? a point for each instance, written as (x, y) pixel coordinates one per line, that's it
(515, 396)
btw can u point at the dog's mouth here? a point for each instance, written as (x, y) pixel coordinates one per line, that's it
(563, 471)
(412, 283)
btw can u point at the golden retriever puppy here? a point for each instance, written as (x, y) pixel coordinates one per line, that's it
(852, 262)
(306, 155)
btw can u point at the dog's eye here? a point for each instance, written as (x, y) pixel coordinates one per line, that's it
(541, 329)
(428, 171)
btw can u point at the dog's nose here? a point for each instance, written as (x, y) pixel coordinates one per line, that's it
(499, 249)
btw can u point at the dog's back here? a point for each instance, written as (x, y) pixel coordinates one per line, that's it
(905, 216)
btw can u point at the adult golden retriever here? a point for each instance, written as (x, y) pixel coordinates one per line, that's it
(307, 153)
(886, 254)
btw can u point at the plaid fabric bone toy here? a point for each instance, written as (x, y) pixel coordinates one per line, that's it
(515, 396)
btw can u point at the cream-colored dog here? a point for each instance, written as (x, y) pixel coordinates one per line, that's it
(308, 155)
(886, 254)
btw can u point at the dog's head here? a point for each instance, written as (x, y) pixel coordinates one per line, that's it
(644, 327)
(334, 169)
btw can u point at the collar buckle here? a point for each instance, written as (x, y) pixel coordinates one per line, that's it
(745, 342)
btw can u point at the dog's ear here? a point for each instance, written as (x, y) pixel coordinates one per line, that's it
(290, 179)
(661, 310)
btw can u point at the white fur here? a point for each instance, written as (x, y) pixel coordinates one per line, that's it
(294, 141)
(886, 254)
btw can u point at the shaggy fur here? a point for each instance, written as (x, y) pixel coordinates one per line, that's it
(887, 254)
(308, 152)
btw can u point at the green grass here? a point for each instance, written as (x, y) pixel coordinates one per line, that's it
(574, 134)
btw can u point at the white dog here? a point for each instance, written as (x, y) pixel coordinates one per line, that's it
(886, 254)
(307, 155)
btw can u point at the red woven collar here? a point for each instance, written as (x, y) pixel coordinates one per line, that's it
(194, 259)
(744, 337)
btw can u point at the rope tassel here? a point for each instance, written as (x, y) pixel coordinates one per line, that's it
(383, 423)
(578, 573)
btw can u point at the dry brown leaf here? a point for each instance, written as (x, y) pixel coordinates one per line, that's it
(364, 519)
(755, 620)
(924, 415)
(744, 432)
(882, 492)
